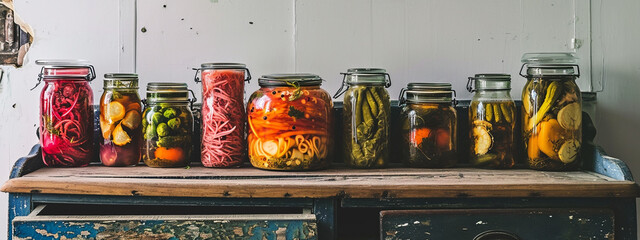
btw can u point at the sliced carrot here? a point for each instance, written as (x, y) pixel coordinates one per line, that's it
(417, 135)
(170, 154)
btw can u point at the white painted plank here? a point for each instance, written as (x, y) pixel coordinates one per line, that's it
(418, 40)
(181, 36)
(127, 32)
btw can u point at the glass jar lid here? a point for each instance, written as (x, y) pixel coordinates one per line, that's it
(121, 80)
(367, 76)
(550, 64)
(60, 68)
(489, 82)
(427, 93)
(167, 92)
(223, 66)
(289, 79)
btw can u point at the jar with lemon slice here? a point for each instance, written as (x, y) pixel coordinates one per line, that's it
(492, 115)
(167, 125)
(120, 120)
(551, 111)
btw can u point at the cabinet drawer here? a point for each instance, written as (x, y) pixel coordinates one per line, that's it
(240, 226)
(499, 224)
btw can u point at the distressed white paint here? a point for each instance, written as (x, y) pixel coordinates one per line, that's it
(415, 40)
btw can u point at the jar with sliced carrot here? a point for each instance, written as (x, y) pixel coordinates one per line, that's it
(120, 120)
(429, 122)
(167, 125)
(552, 111)
(290, 123)
(492, 115)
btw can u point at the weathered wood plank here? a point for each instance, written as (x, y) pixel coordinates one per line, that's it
(550, 224)
(395, 183)
(270, 227)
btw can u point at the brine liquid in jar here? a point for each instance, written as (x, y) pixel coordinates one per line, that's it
(552, 111)
(492, 116)
(223, 114)
(366, 117)
(290, 123)
(429, 123)
(167, 125)
(66, 113)
(120, 120)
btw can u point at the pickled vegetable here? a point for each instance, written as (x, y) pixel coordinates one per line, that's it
(167, 130)
(552, 129)
(428, 134)
(366, 133)
(491, 133)
(120, 125)
(289, 128)
(66, 123)
(223, 118)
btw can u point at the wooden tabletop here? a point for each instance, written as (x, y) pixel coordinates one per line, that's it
(381, 183)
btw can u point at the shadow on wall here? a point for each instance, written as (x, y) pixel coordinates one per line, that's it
(15, 36)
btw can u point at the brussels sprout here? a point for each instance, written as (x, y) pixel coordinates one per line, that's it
(163, 130)
(150, 132)
(174, 123)
(157, 118)
(170, 113)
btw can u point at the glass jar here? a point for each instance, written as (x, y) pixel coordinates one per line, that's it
(167, 124)
(552, 111)
(290, 123)
(429, 124)
(223, 114)
(366, 117)
(492, 121)
(66, 113)
(120, 120)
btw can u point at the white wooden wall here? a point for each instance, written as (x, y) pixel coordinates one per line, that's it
(415, 40)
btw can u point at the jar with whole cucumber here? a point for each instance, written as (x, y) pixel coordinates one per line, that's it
(366, 117)
(167, 125)
(552, 111)
(429, 123)
(492, 115)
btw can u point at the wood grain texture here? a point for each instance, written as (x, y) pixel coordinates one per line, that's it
(343, 183)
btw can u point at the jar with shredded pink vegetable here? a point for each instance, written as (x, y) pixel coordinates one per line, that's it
(223, 115)
(66, 113)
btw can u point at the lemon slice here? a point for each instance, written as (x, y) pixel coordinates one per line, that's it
(120, 137)
(570, 116)
(569, 151)
(132, 119)
(106, 128)
(115, 112)
(482, 139)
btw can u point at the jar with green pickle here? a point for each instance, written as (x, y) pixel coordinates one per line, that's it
(167, 125)
(552, 111)
(366, 117)
(492, 121)
(429, 123)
